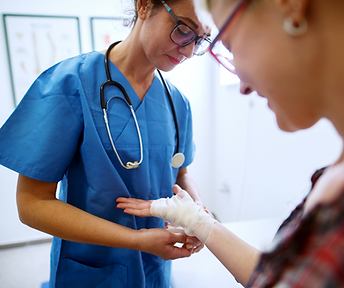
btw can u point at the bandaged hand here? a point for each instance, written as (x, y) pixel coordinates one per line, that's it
(182, 211)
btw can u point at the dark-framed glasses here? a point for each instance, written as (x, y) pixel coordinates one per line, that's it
(183, 35)
(216, 48)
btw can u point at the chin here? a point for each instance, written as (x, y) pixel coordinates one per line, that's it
(165, 68)
(288, 126)
(285, 126)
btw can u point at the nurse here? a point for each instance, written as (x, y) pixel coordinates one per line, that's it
(58, 134)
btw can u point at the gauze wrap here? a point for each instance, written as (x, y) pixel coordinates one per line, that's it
(186, 213)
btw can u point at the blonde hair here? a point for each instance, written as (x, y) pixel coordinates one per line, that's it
(202, 8)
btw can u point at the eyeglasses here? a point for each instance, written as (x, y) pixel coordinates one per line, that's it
(183, 35)
(226, 61)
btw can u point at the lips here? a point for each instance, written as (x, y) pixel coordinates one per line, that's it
(173, 60)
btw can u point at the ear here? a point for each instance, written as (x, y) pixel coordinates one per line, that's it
(295, 9)
(142, 9)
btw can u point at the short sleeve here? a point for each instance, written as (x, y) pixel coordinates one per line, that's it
(40, 138)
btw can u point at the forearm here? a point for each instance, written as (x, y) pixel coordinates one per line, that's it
(237, 256)
(44, 212)
(69, 223)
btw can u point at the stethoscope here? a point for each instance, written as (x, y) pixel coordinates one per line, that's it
(177, 159)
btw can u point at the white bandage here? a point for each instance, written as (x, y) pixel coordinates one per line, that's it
(186, 213)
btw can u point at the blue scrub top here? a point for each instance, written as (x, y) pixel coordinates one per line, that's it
(57, 133)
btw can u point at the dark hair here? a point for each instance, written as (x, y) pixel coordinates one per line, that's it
(155, 4)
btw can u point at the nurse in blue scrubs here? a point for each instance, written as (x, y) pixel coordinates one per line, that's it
(57, 134)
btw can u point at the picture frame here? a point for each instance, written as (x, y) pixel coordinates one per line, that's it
(107, 30)
(36, 42)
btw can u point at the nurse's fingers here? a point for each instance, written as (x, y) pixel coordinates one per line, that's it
(179, 252)
(162, 243)
(194, 244)
(134, 206)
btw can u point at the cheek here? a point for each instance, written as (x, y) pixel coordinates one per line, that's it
(257, 45)
(265, 63)
(156, 38)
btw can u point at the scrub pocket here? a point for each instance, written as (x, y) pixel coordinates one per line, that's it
(72, 274)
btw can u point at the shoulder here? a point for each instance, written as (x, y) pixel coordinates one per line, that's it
(328, 188)
(67, 76)
(76, 64)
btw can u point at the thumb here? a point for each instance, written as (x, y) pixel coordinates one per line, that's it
(179, 191)
(178, 237)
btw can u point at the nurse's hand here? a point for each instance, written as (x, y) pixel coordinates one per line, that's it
(191, 242)
(162, 243)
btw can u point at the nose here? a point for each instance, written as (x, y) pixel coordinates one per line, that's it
(187, 50)
(245, 89)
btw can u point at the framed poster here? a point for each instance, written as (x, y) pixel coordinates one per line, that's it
(106, 30)
(36, 42)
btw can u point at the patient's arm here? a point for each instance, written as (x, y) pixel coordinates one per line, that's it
(236, 255)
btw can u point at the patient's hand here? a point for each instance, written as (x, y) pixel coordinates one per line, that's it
(140, 207)
(134, 206)
(180, 210)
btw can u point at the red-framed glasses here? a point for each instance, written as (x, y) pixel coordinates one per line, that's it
(225, 61)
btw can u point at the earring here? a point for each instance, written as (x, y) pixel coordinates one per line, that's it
(293, 30)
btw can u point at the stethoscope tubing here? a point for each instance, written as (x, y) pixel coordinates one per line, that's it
(104, 106)
(173, 110)
(129, 164)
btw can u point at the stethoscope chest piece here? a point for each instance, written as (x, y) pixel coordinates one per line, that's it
(178, 160)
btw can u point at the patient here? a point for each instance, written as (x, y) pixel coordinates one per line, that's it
(291, 53)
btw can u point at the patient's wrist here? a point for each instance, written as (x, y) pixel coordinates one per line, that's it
(186, 213)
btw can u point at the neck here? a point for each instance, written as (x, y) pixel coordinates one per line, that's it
(130, 59)
(330, 70)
